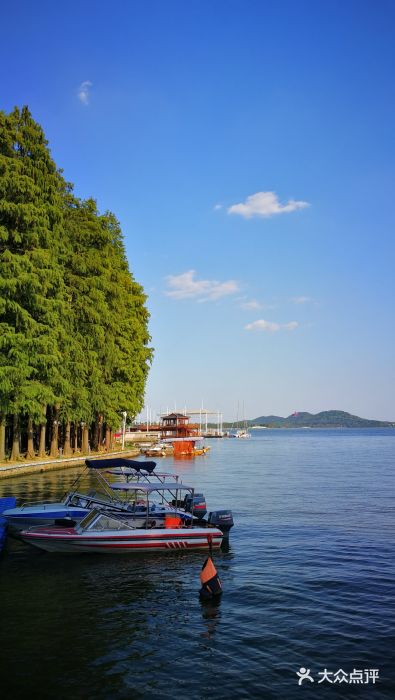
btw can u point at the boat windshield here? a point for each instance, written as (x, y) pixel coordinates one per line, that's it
(85, 500)
(95, 521)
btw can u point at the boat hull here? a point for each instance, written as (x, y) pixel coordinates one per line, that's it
(22, 518)
(154, 540)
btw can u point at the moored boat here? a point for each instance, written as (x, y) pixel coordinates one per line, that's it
(158, 450)
(242, 434)
(75, 505)
(135, 507)
(104, 533)
(200, 450)
(5, 503)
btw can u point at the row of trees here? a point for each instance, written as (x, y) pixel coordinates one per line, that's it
(74, 341)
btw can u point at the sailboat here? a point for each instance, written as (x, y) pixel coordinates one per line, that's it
(242, 433)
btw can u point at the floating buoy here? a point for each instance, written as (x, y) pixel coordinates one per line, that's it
(211, 582)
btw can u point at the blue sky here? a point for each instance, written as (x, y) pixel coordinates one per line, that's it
(248, 150)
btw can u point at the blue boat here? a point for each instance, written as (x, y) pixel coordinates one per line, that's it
(5, 504)
(75, 505)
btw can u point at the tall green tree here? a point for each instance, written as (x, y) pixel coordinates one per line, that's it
(128, 354)
(31, 279)
(74, 341)
(110, 316)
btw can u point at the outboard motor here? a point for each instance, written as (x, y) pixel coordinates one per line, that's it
(223, 519)
(198, 505)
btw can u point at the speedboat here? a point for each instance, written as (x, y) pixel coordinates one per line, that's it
(172, 527)
(104, 533)
(157, 527)
(76, 505)
(73, 506)
(136, 483)
(158, 450)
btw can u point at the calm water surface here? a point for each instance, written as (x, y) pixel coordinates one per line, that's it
(308, 582)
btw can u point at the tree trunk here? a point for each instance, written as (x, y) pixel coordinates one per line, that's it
(75, 436)
(15, 454)
(85, 440)
(2, 436)
(108, 439)
(67, 451)
(30, 445)
(96, 431)
(101, 441)
(41, 447)
(54, 451)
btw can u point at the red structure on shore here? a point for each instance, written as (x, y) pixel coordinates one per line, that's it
(176, 426)
(172, 425)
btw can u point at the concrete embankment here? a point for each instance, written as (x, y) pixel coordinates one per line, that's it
(10, 469)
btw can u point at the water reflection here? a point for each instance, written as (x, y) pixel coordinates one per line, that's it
(123, 616)
(46, 486)
(211, 615)
(307, 579)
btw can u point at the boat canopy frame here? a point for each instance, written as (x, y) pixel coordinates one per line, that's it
(96, 467)
(111, 462)
(147, 488)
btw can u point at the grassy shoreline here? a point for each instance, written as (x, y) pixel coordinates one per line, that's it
(39, 465)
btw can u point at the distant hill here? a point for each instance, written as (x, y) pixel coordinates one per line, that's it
(325, 419)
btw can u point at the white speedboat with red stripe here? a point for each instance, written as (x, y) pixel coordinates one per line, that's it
(109, 534)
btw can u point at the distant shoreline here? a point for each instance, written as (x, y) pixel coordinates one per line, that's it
(322, 427)
(304, 419)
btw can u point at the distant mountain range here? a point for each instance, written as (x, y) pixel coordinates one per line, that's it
(325, 419)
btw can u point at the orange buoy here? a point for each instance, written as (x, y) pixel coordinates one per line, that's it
(211, 582)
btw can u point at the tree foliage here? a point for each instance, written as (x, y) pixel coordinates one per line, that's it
(74, 341)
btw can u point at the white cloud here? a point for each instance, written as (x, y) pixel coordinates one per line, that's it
(84, 92)
(291, 325)
(217, 207)
(263, 325)
(253, 304)
(270, 327)
(185, 286)
(301, 300)
(265, 204)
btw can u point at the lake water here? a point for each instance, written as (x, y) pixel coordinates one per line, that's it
(308, 582)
